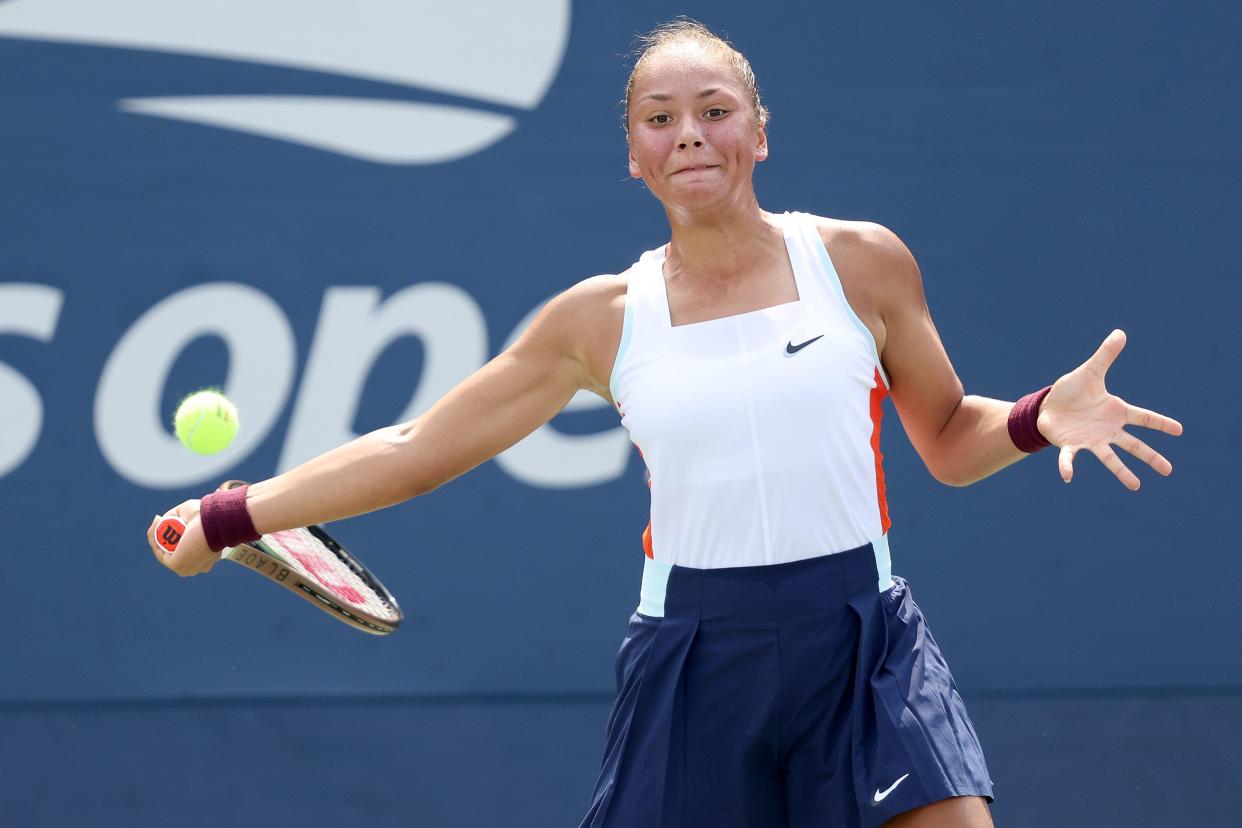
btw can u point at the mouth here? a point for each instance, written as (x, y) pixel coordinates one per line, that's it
(696, 168)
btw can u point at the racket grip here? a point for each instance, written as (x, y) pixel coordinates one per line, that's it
(168, 533)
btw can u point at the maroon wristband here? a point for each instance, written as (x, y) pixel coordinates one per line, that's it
(1022, 422)
(225, 519)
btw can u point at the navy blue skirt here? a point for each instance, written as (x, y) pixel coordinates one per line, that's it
(784, 696)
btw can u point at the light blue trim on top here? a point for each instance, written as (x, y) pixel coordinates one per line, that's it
(627, 330)
(655, 578)
(883, 563)
(655, 584)
(834, 279)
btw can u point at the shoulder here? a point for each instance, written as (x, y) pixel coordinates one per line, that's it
(872, 260)
(584, 322)
(590, 302)
(605, 289)
(864, 244)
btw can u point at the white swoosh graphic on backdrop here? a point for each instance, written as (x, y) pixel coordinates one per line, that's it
(496, 51)
(385, 132)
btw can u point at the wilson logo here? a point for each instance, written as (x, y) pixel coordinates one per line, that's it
(489, 59)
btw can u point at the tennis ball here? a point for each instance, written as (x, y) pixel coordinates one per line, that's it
(206, 422)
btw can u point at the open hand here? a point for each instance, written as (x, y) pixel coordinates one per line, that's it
(1079, 413)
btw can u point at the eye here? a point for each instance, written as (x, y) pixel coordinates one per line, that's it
(716, 113)
(661, 119)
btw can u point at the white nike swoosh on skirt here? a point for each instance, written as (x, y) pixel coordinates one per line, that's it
(880, 797)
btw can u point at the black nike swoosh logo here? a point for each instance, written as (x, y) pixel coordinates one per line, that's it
(791, 349)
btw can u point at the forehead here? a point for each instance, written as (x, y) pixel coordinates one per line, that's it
(684, 63)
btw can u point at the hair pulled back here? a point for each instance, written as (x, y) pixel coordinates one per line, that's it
(684, 29)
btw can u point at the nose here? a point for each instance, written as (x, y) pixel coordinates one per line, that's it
(689, 135)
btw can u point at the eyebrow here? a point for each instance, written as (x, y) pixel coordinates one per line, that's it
(664, 96)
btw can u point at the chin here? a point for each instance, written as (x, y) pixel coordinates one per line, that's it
(699, 198)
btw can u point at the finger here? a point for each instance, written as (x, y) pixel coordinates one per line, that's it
(1065, 462)
(1104, 356)
(192, 557)
(182, 568)
(1149, 419)
(189, 567)
(156, 549)
(188, 510)
(1113, 463)
(182, 565)
(1146, 453)
(162, 554)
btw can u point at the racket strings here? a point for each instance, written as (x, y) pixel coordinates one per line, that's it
(355, 566)
(334, 570)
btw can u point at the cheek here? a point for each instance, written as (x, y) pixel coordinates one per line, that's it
(735, 139)
(649, 150)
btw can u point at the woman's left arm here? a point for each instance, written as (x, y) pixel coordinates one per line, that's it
(963, 438)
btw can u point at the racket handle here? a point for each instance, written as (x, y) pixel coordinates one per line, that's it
(168, 532)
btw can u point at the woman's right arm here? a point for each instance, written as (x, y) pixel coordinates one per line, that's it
(565, 349)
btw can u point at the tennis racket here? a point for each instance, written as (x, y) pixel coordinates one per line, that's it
(312, 564)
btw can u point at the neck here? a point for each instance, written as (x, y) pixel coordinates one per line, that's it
(722, 244)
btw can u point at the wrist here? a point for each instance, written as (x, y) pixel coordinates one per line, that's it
(226, 520)
(1023, 422)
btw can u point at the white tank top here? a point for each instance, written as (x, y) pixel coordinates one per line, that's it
(760, 431)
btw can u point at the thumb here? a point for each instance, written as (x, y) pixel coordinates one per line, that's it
(1106, 354)
(1065, 462)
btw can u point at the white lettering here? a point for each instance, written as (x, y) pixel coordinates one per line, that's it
(29, 310)
(354, 329)
(128, 426)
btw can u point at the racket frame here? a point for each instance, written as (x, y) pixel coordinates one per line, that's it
(263, 556)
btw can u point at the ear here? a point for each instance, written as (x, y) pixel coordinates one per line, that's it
(634, 171)
(761, 148)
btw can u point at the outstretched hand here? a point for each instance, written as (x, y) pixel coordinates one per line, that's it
(1079, 413)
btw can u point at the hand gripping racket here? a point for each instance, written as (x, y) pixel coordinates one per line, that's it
(312, 564)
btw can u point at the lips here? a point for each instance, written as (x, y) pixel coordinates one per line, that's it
(696, 168)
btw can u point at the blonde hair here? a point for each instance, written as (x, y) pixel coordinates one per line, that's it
(684, 29)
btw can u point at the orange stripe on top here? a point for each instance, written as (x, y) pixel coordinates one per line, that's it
(647, 549)
(878, 393)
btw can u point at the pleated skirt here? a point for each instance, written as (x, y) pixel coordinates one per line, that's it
(795, 695)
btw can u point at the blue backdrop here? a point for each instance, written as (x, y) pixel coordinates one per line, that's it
(336, 213)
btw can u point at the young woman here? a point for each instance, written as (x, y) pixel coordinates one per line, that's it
(776, 674)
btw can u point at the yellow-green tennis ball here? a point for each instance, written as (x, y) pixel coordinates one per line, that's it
(206, 422)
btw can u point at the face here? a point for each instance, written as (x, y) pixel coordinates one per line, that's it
(694, 137)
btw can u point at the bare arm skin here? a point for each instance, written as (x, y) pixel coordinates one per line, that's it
(571, 345)
(498, 405)
(964, 438)
(960, 438)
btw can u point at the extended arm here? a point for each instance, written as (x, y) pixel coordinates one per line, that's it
(502, 402)
(964, 438)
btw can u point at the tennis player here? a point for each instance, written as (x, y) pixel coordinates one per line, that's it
(776, 672)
